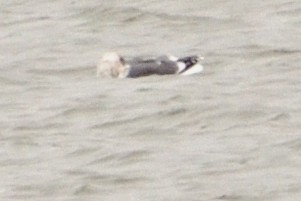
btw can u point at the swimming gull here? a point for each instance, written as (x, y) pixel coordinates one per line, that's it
(113, 65)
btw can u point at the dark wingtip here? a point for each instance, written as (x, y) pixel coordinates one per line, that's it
(190, 61)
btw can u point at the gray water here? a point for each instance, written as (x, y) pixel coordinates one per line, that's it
(231, 133)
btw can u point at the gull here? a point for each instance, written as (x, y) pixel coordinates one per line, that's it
(115, 66)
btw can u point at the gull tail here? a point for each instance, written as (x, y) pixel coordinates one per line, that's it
(190, 65)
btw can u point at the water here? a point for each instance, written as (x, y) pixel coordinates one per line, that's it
(232, 133)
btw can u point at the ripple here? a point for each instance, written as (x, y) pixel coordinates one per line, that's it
(123, 158)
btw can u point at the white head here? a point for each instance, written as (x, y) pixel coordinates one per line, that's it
(111, 65)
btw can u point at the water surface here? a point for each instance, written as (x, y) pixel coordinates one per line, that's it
(231, 133)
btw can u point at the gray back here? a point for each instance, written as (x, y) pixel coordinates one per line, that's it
(149, 66)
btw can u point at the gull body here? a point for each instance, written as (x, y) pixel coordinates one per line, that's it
(113, 65)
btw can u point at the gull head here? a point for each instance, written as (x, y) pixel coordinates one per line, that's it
(111, 65)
